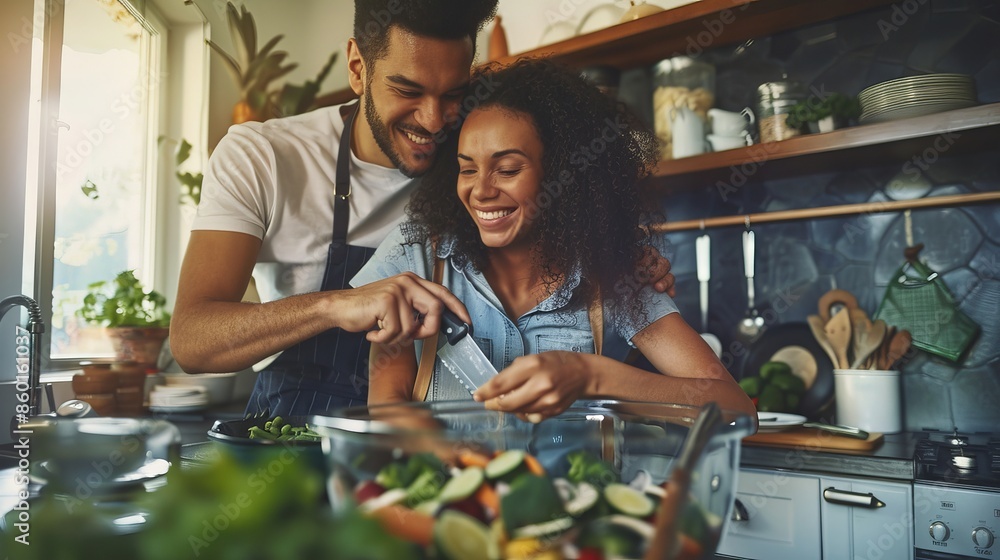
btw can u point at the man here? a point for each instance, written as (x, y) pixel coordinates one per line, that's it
(277, 193)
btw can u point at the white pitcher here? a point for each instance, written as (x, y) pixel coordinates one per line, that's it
(688, 131)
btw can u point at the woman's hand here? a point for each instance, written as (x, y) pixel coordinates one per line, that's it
(538, 386)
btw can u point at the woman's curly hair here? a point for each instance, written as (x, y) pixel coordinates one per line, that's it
(594, 153)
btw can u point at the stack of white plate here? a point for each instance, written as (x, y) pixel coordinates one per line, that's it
(916, 96)
(167, 398)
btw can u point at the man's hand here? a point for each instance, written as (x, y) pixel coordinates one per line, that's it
(654, 268)
(397, 309)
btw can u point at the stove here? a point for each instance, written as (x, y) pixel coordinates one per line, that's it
(956, 496)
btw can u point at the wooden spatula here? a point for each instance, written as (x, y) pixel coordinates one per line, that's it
(838, 332)
(867, 339)
(816, 326)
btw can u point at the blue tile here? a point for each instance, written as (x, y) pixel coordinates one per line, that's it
(974, 395)
(971, 53)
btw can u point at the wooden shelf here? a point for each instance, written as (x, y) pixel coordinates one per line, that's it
(960, 131)
(692, 28)
(706, 23)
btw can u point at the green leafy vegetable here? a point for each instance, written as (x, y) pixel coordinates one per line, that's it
(584, 467)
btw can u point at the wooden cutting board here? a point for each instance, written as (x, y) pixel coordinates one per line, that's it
(813, 439)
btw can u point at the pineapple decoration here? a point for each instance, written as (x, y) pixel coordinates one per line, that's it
(252, 70)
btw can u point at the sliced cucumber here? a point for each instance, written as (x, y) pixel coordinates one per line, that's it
(543, 530)
(461, 486)
(586, 497)
(504, 464)
(430, 507)
(628, 500)
(460, 537)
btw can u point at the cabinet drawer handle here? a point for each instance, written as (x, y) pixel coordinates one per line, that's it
(846, 498)
(740, 512)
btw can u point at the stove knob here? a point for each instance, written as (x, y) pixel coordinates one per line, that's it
(982, 537)
(939, 531)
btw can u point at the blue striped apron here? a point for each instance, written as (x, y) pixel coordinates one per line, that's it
(329, 370)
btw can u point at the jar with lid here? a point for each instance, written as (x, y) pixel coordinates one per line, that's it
(774, 102)
(681, 81)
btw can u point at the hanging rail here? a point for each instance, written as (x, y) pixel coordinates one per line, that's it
(829, 211)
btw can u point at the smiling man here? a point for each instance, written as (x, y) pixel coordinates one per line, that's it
(301, 202)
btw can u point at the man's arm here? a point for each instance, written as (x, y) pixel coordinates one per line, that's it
(213, 331)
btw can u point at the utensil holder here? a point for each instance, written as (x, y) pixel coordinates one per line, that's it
(869, 399)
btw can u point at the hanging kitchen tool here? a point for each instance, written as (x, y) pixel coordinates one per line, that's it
(751, 325)
(918, 301)
(703, 252)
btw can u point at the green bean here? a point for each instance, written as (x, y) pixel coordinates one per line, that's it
(257, 433)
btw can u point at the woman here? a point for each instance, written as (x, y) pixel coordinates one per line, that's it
(536, 217)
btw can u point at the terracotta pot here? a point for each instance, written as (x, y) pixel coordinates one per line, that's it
(138, 344)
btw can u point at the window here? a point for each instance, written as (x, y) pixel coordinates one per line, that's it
(100, 191)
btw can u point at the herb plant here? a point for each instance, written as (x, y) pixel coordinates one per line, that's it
(128, 305)
(838, 105)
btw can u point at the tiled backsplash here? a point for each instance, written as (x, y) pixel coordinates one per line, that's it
(799, 261)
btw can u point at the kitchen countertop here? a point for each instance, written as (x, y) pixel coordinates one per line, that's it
(893, 459)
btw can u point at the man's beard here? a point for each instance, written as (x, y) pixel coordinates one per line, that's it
(382, 137)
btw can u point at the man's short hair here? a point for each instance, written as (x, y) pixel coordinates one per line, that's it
(439, 19)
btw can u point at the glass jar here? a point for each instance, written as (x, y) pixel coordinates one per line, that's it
(680, 81)
(774, 102)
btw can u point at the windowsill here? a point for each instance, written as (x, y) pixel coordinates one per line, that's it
(61, 376)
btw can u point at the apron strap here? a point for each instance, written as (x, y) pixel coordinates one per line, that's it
(342, 190)
(595, 312)
(429, 352)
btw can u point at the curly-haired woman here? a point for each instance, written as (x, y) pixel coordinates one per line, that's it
(535, 213)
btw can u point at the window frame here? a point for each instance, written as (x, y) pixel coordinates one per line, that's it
(41, 177)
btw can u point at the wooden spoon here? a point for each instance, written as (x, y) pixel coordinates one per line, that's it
(835, 299)
(838, 332)
(816, 325)
(868, 341)
(883, 352)
(898, 348)
(860, 326)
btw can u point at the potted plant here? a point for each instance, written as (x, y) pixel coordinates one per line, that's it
(829, 113)
(253, 71)
(137, 320)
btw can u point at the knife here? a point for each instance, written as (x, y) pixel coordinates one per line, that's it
(461, 355)
(838, 429)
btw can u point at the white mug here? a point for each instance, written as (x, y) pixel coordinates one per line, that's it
(721, 143)
(689, 133)
(728, 123)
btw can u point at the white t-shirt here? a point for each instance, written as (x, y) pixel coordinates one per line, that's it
(275, 180)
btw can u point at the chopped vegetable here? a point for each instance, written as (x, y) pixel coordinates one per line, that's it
(584, 467)
(460, 537)
(277, 430)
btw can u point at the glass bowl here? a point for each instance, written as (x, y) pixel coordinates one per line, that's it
(410, 466)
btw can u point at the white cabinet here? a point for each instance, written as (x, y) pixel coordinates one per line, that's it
(783, 517)
(795, 516)
(865, 518)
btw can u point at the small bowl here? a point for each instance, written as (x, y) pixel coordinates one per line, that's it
(233, 437)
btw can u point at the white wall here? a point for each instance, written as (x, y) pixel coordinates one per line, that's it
(312, 30)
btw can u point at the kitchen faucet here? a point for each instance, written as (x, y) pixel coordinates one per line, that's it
(35, 329)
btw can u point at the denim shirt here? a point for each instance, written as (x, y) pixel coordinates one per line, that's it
(560, 322)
